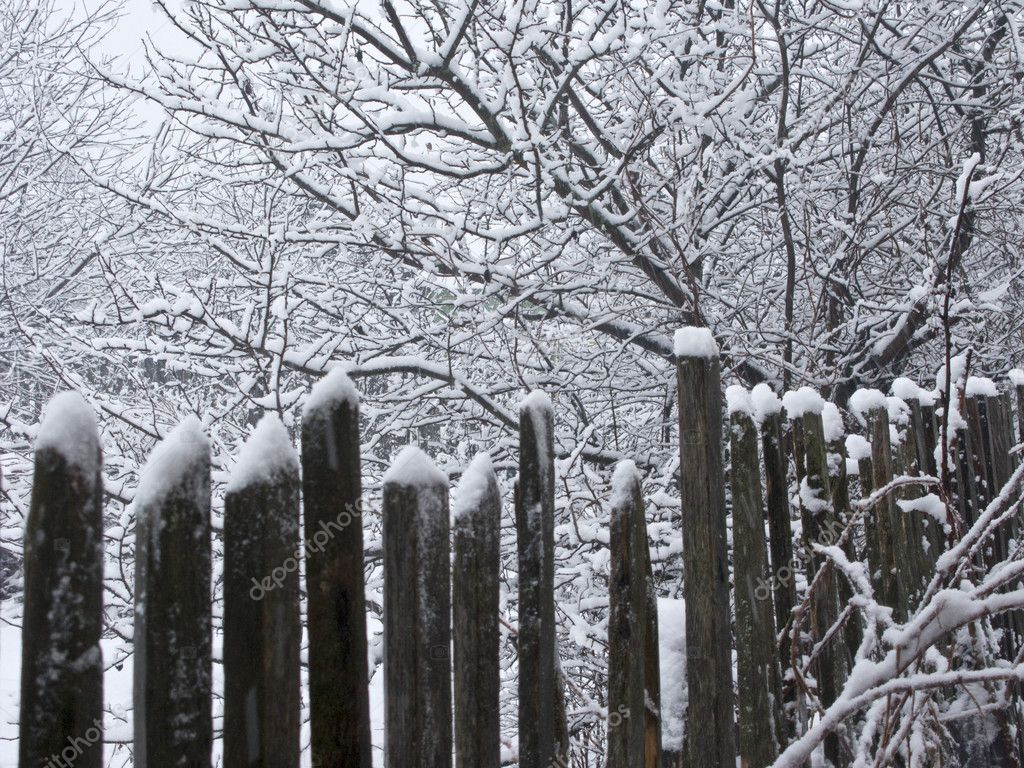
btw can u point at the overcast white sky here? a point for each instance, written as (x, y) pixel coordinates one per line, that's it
(124, 40)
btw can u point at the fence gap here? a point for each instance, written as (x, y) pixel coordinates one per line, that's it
(476, 638)
(335, 590)
(172, 659)
(417, 614)
(262, 629)
(62, 621)
(709, 717)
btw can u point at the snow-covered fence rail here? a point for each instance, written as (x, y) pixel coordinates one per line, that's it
(820, 638)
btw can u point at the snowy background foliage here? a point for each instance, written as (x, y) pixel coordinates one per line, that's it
(462, 201)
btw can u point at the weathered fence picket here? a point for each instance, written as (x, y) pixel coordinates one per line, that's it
(627, 621)
(780, 532)
(172, 663)
(820, 527)
(417, 611)
(710, 722)
(535, 521)
(757, 669)
(262, 627)
(335, 590)
(61, 660)
(475, 596)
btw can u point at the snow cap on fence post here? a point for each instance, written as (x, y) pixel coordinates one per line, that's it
(694, 341)
(331, 389)
(267, 452)
(68, 427)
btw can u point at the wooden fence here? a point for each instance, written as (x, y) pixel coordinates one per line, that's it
(441, 620)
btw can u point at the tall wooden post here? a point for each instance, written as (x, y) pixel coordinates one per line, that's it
(535, 516)
(710, 725)
(821, 527)
(335, 591)
(262, 629)
(759, 682)
(835, 434)
(475, 593)
(627, 621)
(768, 409)
(61, 661)
(882, 516)
(172, 661)
(417, 614)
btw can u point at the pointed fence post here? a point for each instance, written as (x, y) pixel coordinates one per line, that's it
(627, 620)
(262, 629)
(475, 595)
(335, 591)
(759, 686)
(172, 650)
(710, 725)
(61, 660)
(535, 514)
(417, 614)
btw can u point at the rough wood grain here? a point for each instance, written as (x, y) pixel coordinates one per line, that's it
(627, 623)
(534, 502)
(61, 661)
(335, 590)
(417, 624)
(757, 668)
(262, 628)
(710, 724)
(475, 593)
(173, 723)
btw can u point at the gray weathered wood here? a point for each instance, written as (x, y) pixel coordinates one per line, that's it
(821, 526)
(853, 631)
(710, 725)
(475, 593)
(335, 591)
(653, 752)
(417, 615)
(172, 699)
(757, 668)
(262, 630)
(534, 502)
(880, 518)
(1019, 392)
(780, 532)
(627, 622)
(61, 661)
(914, 569)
